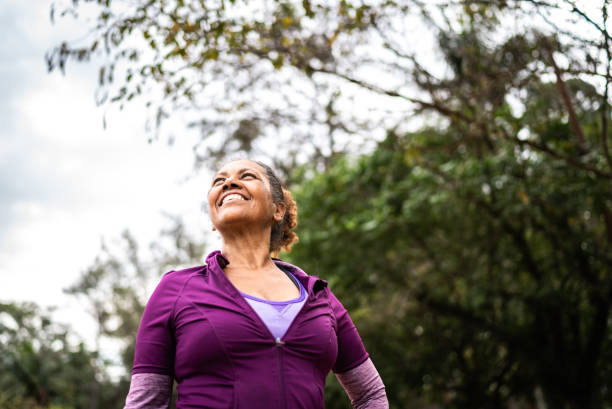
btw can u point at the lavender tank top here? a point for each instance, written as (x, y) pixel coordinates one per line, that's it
(278, 315)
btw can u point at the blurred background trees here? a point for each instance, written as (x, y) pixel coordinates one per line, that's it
(41, 365)
(456, 197)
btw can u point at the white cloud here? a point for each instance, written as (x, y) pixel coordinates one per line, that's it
(64, 181)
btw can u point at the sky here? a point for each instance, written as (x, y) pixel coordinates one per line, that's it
(65, 181)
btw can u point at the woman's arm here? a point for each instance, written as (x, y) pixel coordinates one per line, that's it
(364, 386)
(152, 372)
(149, 391)
(353, 367)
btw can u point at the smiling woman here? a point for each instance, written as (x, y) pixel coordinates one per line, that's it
(247, 330)
(282, 235)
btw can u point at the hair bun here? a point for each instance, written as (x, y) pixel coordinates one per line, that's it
(281, 237)
(289, 222)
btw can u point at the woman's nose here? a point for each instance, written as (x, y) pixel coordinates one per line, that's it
(229, 183)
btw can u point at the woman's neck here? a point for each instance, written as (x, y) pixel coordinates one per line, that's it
(247, 251)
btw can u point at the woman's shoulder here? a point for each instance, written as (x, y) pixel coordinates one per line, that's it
(184, 273)
(173, 281)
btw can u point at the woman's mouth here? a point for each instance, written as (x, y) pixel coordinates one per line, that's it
(231, 198)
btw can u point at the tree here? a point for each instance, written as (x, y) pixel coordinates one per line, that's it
(479, 278)
(41, 367)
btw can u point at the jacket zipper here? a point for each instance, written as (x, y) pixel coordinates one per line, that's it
(279, 348)
(281, 379)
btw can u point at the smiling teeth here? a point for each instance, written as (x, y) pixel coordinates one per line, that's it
(233, 196)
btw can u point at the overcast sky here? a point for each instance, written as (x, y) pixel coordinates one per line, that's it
(65, 182)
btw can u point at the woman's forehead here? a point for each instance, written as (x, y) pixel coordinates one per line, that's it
(239, 165)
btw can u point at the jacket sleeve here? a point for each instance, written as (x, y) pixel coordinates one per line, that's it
(154, 352)
(149, 391)
(364, 387)
(351, 351)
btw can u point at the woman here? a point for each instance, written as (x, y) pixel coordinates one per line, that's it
(247, 330)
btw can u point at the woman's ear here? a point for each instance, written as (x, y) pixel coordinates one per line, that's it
(279, 211)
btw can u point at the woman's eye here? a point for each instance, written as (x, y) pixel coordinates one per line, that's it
(217, 181)
(250, 175)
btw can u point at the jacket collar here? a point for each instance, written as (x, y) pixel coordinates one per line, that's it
(216, 261)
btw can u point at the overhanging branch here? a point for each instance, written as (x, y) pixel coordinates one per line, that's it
(379, 90)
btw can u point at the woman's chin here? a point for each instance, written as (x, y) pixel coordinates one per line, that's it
(232, 218)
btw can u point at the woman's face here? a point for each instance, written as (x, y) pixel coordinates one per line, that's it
(240, 194)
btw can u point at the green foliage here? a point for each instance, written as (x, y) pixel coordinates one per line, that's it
(475, 278)
(41, 368)
(474, 254)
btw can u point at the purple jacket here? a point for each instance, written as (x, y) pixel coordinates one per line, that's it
(199, 329)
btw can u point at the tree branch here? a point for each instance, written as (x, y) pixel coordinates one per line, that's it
(569, 160)
(588, 19)
(424, 104)
(565, 97)
(605, 106)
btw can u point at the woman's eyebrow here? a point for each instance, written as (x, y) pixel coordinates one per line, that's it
(247, 169)
(223, 173)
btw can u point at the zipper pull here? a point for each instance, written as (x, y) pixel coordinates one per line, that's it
(279, 342)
